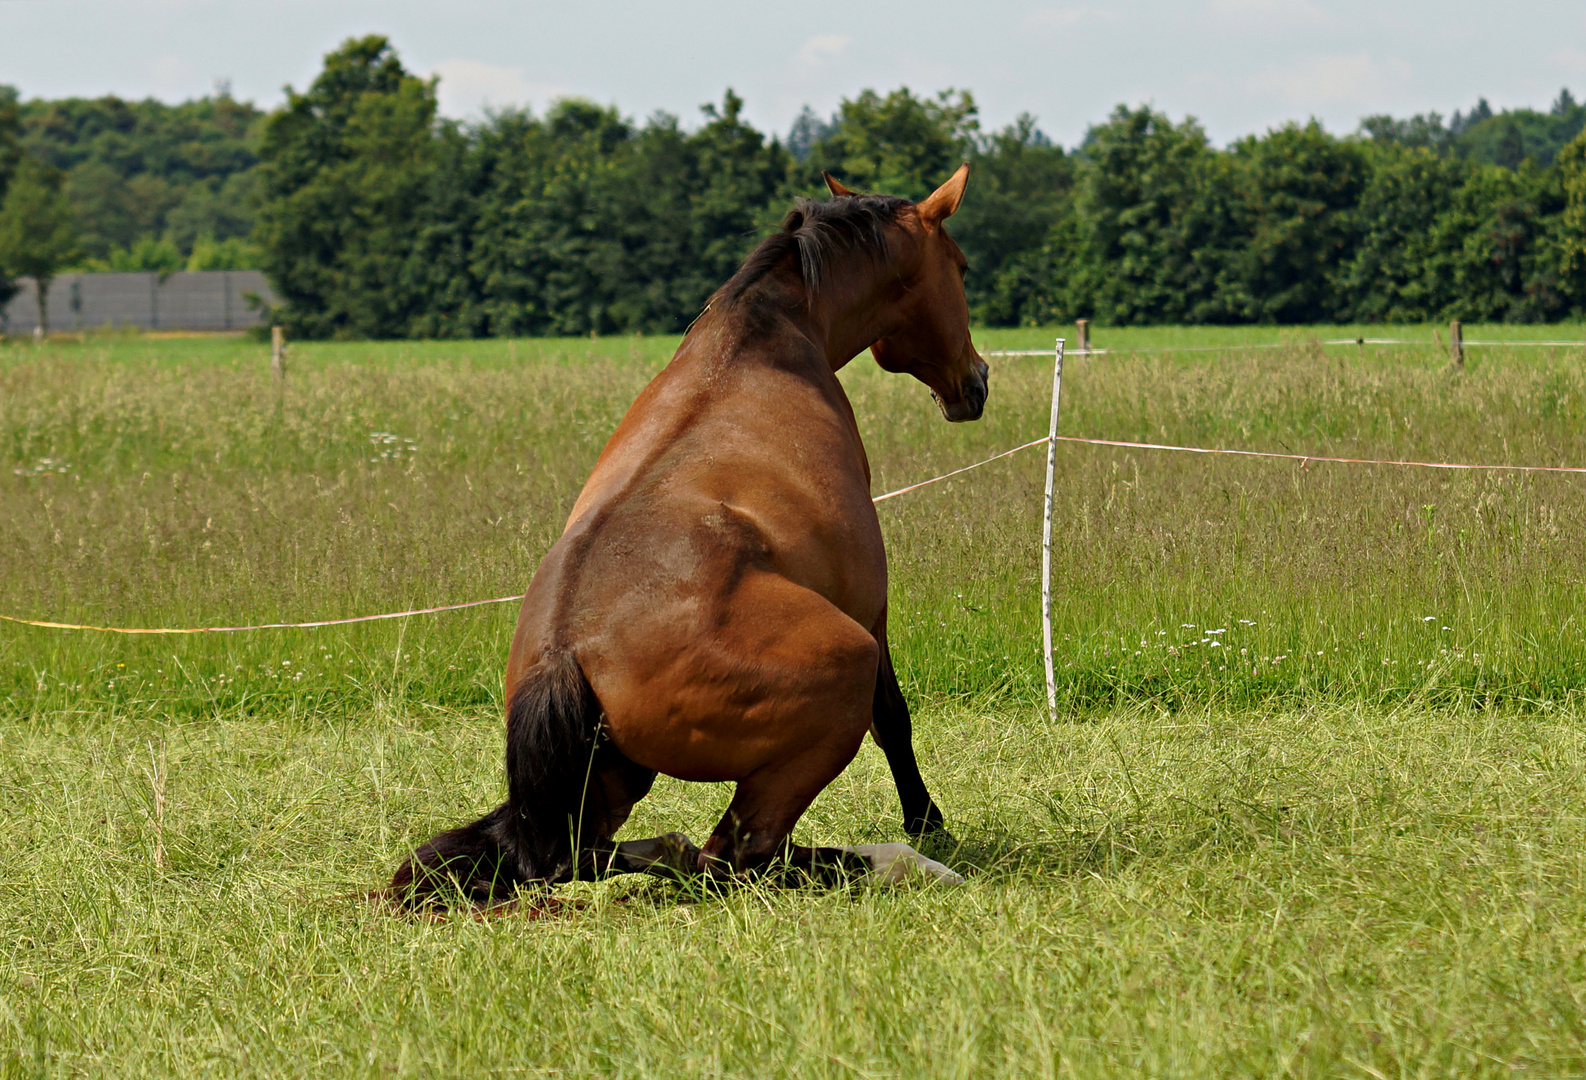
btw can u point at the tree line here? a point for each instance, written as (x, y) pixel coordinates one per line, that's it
(373, 217)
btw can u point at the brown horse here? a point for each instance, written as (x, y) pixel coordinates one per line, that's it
(716, 608)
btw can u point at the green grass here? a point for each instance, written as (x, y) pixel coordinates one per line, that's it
(1345, 841)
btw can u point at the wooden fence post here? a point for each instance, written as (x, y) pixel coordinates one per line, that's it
(1082, 335)
(278, 352)
(1456, 342)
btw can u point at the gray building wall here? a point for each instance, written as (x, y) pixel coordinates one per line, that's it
(201, 300)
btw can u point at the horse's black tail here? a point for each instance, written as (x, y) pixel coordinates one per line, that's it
(553, 727)
(469, 860)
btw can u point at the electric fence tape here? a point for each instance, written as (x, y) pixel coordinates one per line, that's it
(1050, 441)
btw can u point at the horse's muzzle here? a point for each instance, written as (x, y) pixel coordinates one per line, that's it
(971, 397)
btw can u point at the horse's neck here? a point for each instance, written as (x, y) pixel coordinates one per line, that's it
(850, 315)
(843, 319)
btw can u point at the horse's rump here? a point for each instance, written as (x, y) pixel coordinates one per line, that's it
(715, 608)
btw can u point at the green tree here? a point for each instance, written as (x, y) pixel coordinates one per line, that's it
(736, 188)
(148, 255)
(346, 170)
(582, 221)
(213, 209)
(231, 254)
(10, 140)
(1572, 223)
(1305, 185)
(37, 237)
(1396, 272)
(1022, 187)
(136, 169)
(10, 158)
(1499, 247)
(1515, 135)
(899, 144)
(1424, 131)
(556, 218)
(1161, 219)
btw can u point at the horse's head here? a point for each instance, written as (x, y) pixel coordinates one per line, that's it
(929, 338)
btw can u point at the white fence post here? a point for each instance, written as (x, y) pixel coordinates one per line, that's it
(1046, 537)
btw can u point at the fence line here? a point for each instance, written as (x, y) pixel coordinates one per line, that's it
(1046, 523)
(260, 626)
(1506, 344)
(1468, 343)
(994, 457)
(1050, 441)
(429, 610)
(1322, 457)
(1042, 441)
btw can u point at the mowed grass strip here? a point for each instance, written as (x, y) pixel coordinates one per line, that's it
(1311, 808)
(1337, 891)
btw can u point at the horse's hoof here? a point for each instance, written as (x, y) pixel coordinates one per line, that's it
(679, 854)
(898, 864)
(669, 855)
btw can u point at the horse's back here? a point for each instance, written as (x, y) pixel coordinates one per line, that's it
(722, 572)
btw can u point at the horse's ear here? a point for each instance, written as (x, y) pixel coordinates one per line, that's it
(834, 185)
(945, 199)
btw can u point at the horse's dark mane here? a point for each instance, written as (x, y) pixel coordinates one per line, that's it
(815, 232)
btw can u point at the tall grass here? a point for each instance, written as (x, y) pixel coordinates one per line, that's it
(172, 484)
(1286, 823)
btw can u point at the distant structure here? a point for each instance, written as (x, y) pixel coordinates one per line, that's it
(198, 300)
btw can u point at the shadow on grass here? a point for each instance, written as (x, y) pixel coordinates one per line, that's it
(992, 851)
(1063, 847)
(1003, 854)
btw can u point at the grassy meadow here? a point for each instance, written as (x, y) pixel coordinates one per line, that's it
(1312, 806)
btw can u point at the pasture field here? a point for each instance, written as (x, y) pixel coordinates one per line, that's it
(1313, 805)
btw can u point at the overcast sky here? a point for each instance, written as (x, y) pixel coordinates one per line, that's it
(1241, 66)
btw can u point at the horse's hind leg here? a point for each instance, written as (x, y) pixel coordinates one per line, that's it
(807, 729)
(753, 836)
(894, 733)
(753, 833)
(616, 784)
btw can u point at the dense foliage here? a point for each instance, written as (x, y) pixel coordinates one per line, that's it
(1507, 138)
(376, 218)
(379, 220)
(10, 159)
(152, 185)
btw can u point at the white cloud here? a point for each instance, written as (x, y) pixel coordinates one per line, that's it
(469, 87)
(1268, 12)
(1572, 58)
(175, 77)
(823, 49)
(1312, 82)
(1067, 17)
